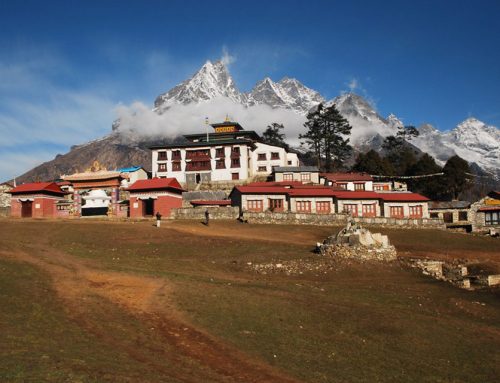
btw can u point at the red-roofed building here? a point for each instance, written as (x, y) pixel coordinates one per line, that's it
(348, 181)
(37, 199)
(147, 197)
(325, 200)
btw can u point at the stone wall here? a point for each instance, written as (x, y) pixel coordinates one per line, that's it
(5, 211)
(198, 213)
(339, 219)
(208, 195)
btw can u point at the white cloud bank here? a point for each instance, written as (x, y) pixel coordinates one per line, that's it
(138, 120)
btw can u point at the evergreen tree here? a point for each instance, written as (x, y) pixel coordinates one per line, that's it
(431, 187)
(273, 136)
(456, 177)
(326, 129)
(398, 152)
(371, 163)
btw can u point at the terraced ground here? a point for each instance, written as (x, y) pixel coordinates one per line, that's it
(97, 301)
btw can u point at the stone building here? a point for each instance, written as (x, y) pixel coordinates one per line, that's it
(303, 174)
(455, 214)
(484, 214)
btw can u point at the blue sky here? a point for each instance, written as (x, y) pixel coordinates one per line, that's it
(66, 65)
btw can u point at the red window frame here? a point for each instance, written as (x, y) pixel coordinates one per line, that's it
(323, 207)
(235, 163)
(275, 156)
(275, 204)
(261, 157)
(162, 156)
(416, 211)
(369, 210)
(162, 167)
(396, 211)
(262, 169)
(255, 205)
(359, 186)
(176, 166)
(351, 208)
(303, 206)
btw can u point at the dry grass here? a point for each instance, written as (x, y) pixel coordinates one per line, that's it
(359, 323)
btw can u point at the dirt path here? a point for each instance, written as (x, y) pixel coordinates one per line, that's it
(148, 298)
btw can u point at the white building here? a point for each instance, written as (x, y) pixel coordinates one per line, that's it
(228, 154)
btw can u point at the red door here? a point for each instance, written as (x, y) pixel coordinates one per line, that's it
(26, 209)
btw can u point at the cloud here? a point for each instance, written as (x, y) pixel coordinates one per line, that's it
(226, 58)
(137, 120)
(40, 110)
(353, 84)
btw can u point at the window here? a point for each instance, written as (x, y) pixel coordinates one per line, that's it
(462, 216)
(396, 211)
(288, 177)
(342, 185)
(289, 163)
(219, 152)
(235, 176)
(351, 208)
(303, 206)
(235, 150)
(369, 210)
(323, 207)
(261, 157)
(162, 156)
(220, 164)
(416, 211)
(176, 166)
(359, 186)
(448, 217)
(176, 154)
(275, 204)
(254, 205)
(275, 156)
(434, 215)
(492, 217)
(305, 177)
(162, 167)
(262, 169)
(235, 163)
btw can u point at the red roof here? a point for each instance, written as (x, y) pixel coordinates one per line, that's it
(319, 191)
(404, 197)
(356, 195)
(339, 177)
(220, 202)
(489, 208)
(156, 184)
(37, 187)
(262, 189)
(276, 183)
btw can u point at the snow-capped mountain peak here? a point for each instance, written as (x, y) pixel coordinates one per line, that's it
(288, 93)
(212, 80)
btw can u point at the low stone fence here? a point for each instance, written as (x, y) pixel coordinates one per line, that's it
(198, 213)
(5, 211)
(339, 219)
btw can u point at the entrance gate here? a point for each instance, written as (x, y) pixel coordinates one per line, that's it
(148, 207)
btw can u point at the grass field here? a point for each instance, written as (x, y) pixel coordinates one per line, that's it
(94, 301)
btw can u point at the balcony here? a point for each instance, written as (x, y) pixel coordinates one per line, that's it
(198, 166)
(198, 155)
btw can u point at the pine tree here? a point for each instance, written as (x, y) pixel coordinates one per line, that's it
(273, 136)
(371, 163)
(456, 177)
(326, 129)
(431, 187)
